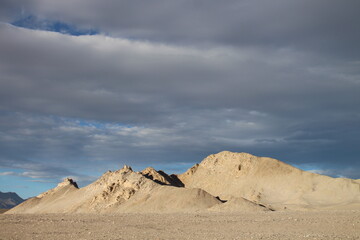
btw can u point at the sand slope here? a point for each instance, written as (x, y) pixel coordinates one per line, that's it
(170, 199)
(239, 205)
(120, 191)
(269, 181)
(223, 182)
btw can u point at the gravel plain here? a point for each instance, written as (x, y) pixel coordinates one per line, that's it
(263, 225)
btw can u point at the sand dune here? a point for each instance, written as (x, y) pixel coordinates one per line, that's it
(223, 182)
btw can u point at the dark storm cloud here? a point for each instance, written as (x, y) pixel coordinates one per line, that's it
(12, 9)
(323, 26)
(143, 82)
(209, 93)
(174, 81)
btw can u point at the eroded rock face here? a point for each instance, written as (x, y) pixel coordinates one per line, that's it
(68, 181)
(161, 177)
(154, 175)
(120, 186)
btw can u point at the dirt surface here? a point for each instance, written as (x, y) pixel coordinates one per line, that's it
(260, 225)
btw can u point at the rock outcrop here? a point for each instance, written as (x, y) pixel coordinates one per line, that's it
(161, 177)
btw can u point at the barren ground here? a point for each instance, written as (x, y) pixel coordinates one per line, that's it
(265, 225)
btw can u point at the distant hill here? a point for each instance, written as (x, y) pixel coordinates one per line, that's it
(9, 200)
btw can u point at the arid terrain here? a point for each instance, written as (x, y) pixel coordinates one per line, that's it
(261, 225)
(227, 196)
(222, 182)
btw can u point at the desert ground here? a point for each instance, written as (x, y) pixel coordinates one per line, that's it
(205, 225)
(227, 196)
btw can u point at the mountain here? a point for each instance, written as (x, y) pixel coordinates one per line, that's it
(222, 182)
(269, 181)
(9, 200)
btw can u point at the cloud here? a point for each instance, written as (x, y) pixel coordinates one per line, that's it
(30, 174)
(180, 81)
(7, 173)
(328, 27)
(224, 94)
(147, 81)
(44, 171)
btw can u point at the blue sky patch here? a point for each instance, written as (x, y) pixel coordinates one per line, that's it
(33, 22)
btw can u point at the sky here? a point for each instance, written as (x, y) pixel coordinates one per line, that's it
(87, 86)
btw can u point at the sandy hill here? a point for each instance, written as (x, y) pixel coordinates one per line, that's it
(9, 200)
(222, 182)
(270, 182)
(120, 191)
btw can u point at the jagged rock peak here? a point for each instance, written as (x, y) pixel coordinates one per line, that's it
(68, 181)
(149, 171)
(126, 168)
(156, 176)
(161, 177)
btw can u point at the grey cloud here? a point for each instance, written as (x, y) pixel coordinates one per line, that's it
(12, 9)
(111, 77)
(329, 27)
(197, 80)
(101, 78)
